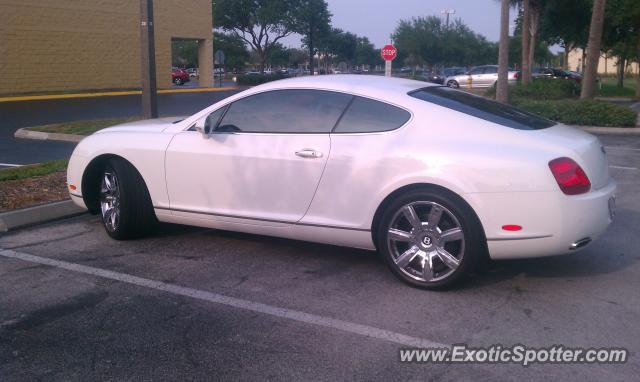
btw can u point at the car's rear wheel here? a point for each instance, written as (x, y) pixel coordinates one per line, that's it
(453, 84)
(429, 239)
(125, 204)
(177, 81)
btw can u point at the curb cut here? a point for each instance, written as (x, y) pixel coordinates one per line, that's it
(30, 134)
(610, 130)
(23, 217)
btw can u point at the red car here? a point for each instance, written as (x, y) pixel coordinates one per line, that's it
(179, 76)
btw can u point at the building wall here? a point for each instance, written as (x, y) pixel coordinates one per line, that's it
(71, 45)
(606, 65)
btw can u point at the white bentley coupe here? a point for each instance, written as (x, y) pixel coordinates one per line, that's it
(432, 178)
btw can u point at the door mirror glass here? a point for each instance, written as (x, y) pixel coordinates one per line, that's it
(202, 126)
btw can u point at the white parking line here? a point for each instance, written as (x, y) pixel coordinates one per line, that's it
(10, 165)
(295, 315)
(624, 168)
(620, 148)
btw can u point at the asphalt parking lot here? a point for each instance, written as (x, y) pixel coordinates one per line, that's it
(198, 304)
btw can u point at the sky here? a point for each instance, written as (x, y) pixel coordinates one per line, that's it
(377, 19)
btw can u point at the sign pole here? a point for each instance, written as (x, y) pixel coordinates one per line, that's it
(387, 68)
(148, 54)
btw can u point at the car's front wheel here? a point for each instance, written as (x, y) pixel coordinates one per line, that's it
(453, 84)
(428, 239)
(178, 81)
(125, 204)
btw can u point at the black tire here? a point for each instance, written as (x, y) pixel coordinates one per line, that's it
(453, 84)
(177, 81)
(136, 215)
(471, 251)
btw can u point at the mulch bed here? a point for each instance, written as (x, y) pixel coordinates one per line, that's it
(33, 191)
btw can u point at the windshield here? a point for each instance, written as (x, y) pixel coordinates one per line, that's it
(482, 108)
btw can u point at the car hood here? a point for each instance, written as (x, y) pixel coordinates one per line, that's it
(144, 126)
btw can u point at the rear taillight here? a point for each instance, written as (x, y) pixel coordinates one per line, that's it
(570, 176)
(517, 75)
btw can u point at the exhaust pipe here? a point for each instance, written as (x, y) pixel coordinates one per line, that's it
(580, 243)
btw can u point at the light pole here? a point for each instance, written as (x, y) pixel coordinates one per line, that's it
(448, 12)
(148, 61)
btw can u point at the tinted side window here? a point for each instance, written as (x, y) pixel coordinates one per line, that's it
(285, 111)
(490, 70)
(367, 116)
(482, 108)
(478, 70)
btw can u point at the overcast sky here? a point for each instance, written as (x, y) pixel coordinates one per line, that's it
(377, 19)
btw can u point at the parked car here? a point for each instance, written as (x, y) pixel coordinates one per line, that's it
(449, 177)
(479, 77)
(405, 69)
(193, 72)
(439, 76)
(179, 76)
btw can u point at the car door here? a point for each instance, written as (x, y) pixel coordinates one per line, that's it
(477, 76)
(263, 160)
(489, 76)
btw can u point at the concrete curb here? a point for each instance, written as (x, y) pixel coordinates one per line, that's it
(23, 217)
(31, 134)
(610, 130)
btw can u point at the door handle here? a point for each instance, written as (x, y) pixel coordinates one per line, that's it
(309, 153)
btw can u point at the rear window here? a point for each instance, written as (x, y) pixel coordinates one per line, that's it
(482, 108)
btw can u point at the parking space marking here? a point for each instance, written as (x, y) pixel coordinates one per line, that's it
(10, 165)
(621, 148)
(295, 315)
(624, 167)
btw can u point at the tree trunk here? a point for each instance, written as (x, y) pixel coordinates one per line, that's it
(311, 51)
(567, 51)
(533, 28)
(526, 18)
(638, 74)
(621, 64)
(593, 50)
(502, 88)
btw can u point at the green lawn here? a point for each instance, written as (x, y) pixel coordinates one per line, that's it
(43, 168)
(610, 88)
(81, 127)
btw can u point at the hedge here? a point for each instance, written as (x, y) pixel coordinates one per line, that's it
(580, 112)
(257, 79)
(542, 89)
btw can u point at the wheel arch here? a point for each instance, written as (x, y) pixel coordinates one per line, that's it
(91, 178)
(420, 186)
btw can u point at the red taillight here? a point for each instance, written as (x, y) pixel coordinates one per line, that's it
(570, 176)
(517, 75)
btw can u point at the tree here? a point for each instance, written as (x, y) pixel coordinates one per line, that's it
(259, 23)
(555, 28)
(593, 50)
(526, 18)
(184, 53)
(621, 35)
(502, 90)
(234, 48)
(312, 22)
(366, 53)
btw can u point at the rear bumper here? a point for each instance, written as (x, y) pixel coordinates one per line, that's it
(552, 223)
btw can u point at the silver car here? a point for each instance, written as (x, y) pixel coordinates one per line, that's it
(479, 77)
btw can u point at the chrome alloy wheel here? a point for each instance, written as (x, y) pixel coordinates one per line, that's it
(110, 201)
(426, 241)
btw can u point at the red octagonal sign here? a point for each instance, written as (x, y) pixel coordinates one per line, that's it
(389, 52)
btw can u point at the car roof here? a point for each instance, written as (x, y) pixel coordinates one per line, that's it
(376, 86)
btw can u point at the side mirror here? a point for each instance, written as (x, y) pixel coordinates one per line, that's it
(203, 127)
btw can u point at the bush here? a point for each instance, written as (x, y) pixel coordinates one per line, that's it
(581, 112)
(546, 89)
(257, 79)
(541, 89)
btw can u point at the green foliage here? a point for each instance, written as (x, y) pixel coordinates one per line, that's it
(81, 127)
(429, 40)
(608, 90)
(234, 48)
(184, 54)
(257, 79)
(546, 89)
(29, 171)
(581, 112)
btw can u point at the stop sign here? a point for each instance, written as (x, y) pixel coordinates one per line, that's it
(389, 52)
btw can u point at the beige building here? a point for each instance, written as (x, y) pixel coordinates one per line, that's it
(606, 65)
(75, 45)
